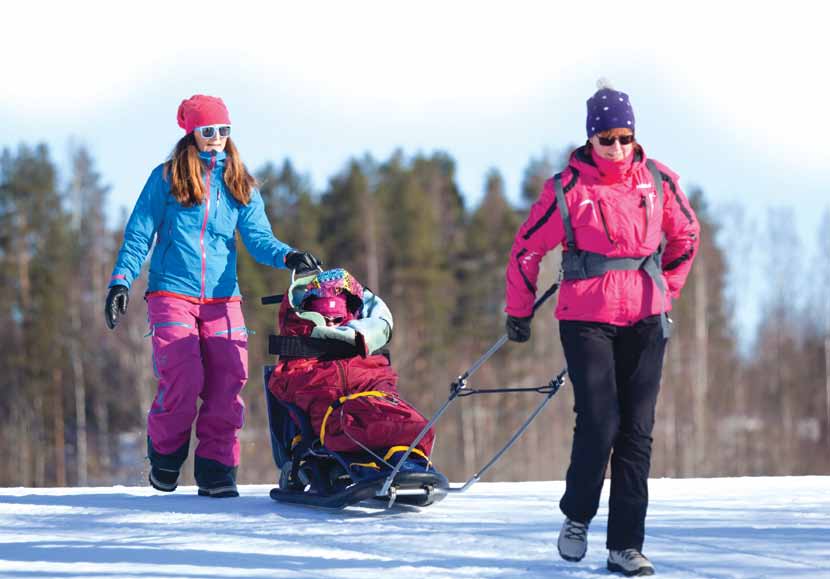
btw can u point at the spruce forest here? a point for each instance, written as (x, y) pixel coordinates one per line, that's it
(75, 395)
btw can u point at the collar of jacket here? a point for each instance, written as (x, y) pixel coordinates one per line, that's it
(613, 171)
(602, 170)
(220, 159)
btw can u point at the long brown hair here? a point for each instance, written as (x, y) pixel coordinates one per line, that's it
(185, 169)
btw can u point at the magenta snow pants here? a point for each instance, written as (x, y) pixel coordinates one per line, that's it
(199, 351)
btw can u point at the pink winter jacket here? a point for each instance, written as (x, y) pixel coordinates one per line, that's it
(615, 211)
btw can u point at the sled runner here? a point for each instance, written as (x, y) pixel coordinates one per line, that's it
(337, 468)
(312, 475)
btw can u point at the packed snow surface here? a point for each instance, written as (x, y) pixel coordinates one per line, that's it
(731, 528)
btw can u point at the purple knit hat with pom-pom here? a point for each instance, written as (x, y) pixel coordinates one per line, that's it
(608, 109)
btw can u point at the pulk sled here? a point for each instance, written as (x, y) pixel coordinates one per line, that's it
(311, 474)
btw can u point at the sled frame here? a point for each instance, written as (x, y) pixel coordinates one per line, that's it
(459, 389)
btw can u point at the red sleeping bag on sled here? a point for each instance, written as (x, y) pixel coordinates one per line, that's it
(352, 401)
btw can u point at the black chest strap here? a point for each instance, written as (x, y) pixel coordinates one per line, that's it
(305, 347)
(320, 348)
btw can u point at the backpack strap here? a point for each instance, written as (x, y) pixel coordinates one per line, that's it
(655, 268)
(578, 264)
(564, 212)
(658, 179)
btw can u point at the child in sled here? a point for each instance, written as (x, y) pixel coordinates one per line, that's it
(335, 377)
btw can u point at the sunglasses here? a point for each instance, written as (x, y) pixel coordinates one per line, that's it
(623, 139)
(209, 131)
(334, 320)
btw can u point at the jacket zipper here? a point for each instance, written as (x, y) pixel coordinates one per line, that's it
(644, 205)
(204, 223)
(605, 224)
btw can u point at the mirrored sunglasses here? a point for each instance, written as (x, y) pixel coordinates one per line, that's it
(209, 131)
(623, 139)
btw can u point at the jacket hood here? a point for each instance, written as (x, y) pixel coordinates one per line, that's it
(295, 320)
(370, 326)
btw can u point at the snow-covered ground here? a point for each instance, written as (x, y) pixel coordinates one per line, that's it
(740, 527)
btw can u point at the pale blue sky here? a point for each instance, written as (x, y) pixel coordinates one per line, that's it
(728, 94)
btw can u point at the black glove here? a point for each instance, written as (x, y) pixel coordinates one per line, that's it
(302, 262)
(117, 301)
(518, 329)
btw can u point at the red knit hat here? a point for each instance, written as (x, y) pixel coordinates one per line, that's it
(331, 307)
(201, 110)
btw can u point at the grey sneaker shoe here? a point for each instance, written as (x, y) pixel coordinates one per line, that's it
(629, 562)
(573, 540)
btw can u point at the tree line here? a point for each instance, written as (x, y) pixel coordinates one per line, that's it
(75, 395)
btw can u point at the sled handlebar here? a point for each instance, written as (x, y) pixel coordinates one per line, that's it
(294, 273)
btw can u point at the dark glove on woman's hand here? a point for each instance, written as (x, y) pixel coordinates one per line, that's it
(302, 262)
(518, 329)
(117, 300)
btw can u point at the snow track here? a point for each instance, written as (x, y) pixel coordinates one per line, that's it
(710, 528)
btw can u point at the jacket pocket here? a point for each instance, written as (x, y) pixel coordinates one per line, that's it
(222, 222)
(591, 228)
(604, 220)
(187, 219)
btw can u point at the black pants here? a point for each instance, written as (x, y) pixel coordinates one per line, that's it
(615, 372)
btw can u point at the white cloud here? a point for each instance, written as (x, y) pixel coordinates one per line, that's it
(757, 72)
(92, 52)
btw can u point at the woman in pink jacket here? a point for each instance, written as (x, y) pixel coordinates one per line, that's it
(629, 237)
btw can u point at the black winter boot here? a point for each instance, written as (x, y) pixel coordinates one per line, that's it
(215, 479)
(164, 468)
(164, 480)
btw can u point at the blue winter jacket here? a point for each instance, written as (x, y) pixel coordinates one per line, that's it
(195, 247)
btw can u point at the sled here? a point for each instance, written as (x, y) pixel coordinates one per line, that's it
(312, 475)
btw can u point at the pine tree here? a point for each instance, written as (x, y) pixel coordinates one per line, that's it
(87, 199)
(351, 229)
(35, 260)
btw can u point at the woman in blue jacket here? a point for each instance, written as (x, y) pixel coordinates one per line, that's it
(191, 207)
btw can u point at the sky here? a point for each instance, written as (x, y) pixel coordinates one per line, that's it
(741, 528)
(727, 94)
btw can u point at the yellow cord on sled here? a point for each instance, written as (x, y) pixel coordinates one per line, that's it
(340, 402)
(395, 449)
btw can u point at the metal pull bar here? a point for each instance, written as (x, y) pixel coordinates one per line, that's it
(455, 388)
(551, 389)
